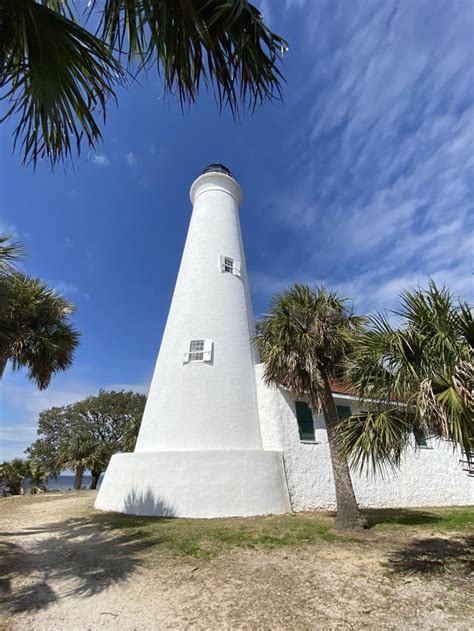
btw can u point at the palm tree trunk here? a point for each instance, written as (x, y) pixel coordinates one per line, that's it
(78, 477)
(348, 514)
(95, 473)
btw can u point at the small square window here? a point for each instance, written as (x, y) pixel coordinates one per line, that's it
(228, 265)
(196, 350)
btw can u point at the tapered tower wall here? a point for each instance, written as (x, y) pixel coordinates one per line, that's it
(199, 451)
(209, 404)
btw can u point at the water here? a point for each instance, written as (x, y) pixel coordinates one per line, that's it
(65, 482)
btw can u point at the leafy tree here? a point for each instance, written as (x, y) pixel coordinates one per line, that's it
(35, 332)
(86, 434)
(416, 378)
(304, 340)
(222, 44)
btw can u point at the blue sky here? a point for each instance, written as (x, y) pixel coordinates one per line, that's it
(362, 180)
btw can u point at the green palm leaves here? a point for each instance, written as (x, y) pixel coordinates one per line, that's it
(35, 332)
(307, 332)
(417, 377)
(57, 76)
(304, 341)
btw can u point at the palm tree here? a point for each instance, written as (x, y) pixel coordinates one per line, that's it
(303, 341)
(35, 331)
(57, 76)
(417, 379)
(13, 474)
(10, 253)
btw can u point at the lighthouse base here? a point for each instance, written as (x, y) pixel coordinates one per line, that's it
(195, 484)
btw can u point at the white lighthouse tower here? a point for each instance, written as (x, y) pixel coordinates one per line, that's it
(199, 452)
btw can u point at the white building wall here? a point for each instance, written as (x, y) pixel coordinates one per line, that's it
(428, 477)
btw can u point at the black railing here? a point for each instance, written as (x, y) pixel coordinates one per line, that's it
(218, 168)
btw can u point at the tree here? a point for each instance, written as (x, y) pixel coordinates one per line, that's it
(416, 378)
(10, 253)
(86, 434)
(303, 341)
(222, 44)
(14, 473)
(35, 332)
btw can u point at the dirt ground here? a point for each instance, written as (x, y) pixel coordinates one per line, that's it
(60, 570)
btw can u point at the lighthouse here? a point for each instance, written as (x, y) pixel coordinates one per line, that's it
(199, 451)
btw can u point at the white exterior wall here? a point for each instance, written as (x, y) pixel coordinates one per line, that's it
(206, 405)
(195, 484)
(428, 477)
(199, 451)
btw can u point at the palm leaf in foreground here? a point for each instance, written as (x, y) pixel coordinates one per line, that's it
(221, 43)
(55, 76)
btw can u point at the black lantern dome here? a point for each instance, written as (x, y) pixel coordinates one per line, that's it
(218, 168)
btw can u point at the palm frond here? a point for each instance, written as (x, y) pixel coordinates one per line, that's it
(10, 253)
(223, 44)
(426, 365)
(374, 441)
(55, 77)
(34, 329)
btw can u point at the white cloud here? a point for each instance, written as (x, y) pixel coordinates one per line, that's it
(381, 181)
(68, 289)
(100, 160)
(131, 159)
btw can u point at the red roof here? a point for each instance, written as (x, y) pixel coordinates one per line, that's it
(339, 388)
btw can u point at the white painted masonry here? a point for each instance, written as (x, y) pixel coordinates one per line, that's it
(199, 451)
(429, 476)
(195, 484)
(206, 405)
(215, 441)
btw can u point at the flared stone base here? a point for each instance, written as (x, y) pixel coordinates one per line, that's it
(195, 484)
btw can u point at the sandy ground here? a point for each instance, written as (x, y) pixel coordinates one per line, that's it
(58, 571)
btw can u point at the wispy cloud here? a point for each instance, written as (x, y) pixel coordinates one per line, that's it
(381, 183)
(131, 159)
(68, 289)
(100, 160)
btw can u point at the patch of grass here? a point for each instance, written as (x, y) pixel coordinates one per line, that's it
(449, 518)
(208, 537)
(205, 538)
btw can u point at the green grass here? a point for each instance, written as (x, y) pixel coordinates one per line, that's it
(208, 537)
(450, 518)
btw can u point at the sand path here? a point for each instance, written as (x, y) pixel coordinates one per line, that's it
(59, 571)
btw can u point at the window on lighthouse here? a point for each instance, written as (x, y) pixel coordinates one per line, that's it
(199, 351)
(229, 265)
(196, 350)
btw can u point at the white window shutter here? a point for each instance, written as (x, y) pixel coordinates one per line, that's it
(236, 268)
(186, 355)
(221, 263)
(207, 350)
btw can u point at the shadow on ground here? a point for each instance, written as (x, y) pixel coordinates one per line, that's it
(434, 555)
(401, 517)
(73, 557)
